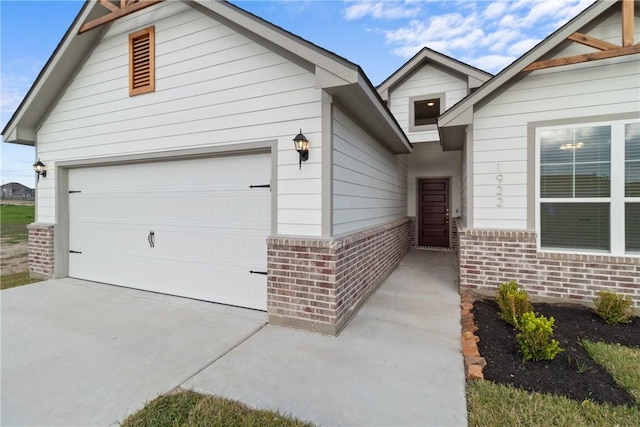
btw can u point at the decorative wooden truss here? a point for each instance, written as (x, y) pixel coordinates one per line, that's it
(126, 7)
(605, 49)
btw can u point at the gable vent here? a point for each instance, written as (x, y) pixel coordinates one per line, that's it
(142, 61)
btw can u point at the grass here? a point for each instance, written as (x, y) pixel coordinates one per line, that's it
(191, 409)
(622, 362)
(14, 220)
(491, 404)
(17, 279)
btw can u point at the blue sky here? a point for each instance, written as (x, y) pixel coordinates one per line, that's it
(377, 35)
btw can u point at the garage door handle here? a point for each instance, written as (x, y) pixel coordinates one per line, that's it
(258, 272)
(151, 239)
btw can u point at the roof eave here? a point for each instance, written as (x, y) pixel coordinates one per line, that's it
(426, 54)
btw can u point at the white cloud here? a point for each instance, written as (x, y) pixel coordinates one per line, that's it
(381, 10)
(492, 63)
(17, 78)
(519, 48)
(495, 9)
(491, 34)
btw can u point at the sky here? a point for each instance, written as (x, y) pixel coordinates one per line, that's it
(378, 35)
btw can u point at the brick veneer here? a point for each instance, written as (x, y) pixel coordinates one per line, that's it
(319, 284)
(490, 257)
(40, 250)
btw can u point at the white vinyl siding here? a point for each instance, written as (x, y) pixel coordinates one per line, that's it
(463, 186)
(428, 80)
(369, 183)
(214, 87)
(500, 147)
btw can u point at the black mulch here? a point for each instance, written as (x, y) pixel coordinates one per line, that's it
(572, 373)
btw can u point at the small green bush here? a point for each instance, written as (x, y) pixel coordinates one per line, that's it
(535, 337)
(513, 302)
(613, 307)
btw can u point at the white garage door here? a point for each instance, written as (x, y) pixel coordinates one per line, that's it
(192, 228)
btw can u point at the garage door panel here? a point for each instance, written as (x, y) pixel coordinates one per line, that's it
(208, 235)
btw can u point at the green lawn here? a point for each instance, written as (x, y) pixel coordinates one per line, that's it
(491, 404)
(14, 220)
(191, 409)
(17, 279)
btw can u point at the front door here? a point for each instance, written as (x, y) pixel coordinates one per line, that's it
(433, 212)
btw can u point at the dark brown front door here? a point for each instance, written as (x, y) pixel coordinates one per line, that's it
(433, 212)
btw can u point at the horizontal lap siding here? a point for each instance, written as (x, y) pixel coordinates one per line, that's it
(369, 183)
(603, 87)
(428, 80)
(214, 87)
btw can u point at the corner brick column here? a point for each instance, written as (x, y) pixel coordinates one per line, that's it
(40, 250)
(488, 258)
(319, 284)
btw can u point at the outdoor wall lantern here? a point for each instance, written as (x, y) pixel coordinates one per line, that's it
(302, 147)
(40, 168)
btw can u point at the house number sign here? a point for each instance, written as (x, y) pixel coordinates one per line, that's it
(499, 188)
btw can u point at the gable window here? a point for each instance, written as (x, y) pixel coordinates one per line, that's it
(424, 112)
(142, 61)
(588, 187)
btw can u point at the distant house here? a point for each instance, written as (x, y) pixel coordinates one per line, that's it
(166, 129)
(16, 191)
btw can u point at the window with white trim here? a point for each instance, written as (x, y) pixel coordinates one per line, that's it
(424, 111)
(588, 187)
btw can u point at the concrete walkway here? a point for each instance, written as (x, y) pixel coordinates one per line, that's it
(398, 363)
(82, 353)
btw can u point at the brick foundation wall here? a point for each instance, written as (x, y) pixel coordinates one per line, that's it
(40, 250)
(412, 231)
(490, 257)
(318, 284)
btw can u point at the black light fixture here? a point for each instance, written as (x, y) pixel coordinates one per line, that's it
(302, 147)
(40, 168)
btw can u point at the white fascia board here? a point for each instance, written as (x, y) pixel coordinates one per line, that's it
(326, 79)
(451, 116)
(332, 63)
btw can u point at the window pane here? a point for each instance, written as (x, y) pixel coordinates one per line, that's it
(575, 162)
(575, 225)
(632, 141)
(593, 144)
(593, 180)
(632, 157)
(556, 181)
(551, 142)
(632, 227)
(426, 111)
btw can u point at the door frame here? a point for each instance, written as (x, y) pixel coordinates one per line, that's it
(61, 231)
(449, 179)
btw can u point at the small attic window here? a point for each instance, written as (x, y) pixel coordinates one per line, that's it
(424, 111)
(142, 77)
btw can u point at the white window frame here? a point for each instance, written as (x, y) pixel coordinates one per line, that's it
(617, 197)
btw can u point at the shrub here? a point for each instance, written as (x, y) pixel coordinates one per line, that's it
(513, 302)
(535, 337)
(613, 307)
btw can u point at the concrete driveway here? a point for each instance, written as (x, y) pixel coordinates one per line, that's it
(81, 353)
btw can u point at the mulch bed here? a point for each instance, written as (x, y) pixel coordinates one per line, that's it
(572, 373)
